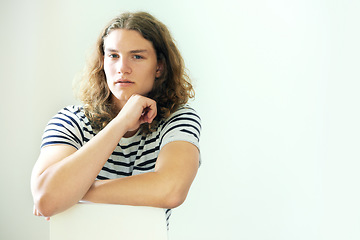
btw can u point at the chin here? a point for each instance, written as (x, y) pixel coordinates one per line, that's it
(120, 98)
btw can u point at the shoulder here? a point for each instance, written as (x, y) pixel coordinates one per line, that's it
(72, 110)
(184, 115)
(185, 112)
(182, 125)
(67, 127)
(186, 109)
(72, 113)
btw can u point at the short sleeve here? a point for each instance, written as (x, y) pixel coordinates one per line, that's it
(182, 125)
(64, 128)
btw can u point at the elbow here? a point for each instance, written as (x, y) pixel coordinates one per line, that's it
(45, 205)
(44, 201)
(174, 200)
(173, 194)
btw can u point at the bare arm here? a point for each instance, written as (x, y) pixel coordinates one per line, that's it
(167, 187)
(63, 175)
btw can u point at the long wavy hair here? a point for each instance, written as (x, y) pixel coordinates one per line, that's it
(170, 91)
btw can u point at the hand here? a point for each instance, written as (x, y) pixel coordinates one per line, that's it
(137, 110)
(37, 213)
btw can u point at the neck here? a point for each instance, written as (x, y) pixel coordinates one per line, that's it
(118, 103)
(130, 133)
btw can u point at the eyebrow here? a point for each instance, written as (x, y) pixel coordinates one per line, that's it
(110, 50)
(139, 51)
(132, 51)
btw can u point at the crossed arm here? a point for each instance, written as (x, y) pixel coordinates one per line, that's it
(63, 175)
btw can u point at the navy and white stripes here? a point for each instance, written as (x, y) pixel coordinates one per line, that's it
(132, 156)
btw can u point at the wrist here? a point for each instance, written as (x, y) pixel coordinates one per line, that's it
(118, 126)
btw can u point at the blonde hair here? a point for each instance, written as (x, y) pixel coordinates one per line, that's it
(170, 91)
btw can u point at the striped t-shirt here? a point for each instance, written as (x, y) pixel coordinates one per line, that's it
(132, 156)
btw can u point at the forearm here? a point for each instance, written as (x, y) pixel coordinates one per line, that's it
(64, 183)
(148, 189)
(166, 187)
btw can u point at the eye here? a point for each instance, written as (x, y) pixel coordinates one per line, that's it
(137, 57)
(113, 55)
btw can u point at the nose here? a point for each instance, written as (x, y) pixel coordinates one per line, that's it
(123, 66)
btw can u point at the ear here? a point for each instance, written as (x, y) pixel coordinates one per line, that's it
(159, 69)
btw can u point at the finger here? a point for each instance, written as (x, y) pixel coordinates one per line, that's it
(152, 112)
(37, 213)
(145, 118)
(149, 116)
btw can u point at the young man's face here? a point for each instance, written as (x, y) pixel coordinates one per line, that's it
(130, 65)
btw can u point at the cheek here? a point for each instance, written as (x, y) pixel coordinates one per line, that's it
(152, 72)
(108, 68)
(107, 74)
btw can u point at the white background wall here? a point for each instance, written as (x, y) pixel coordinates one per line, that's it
(277, 87)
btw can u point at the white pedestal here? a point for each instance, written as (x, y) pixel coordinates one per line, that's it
(107, 222)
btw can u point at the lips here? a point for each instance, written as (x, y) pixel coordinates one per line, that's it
(124, 82)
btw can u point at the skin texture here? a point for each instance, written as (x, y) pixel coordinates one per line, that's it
(64, 175)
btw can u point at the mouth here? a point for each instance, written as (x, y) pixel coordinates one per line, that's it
(123, 82)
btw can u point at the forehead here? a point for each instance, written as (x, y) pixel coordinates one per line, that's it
(123, 39)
